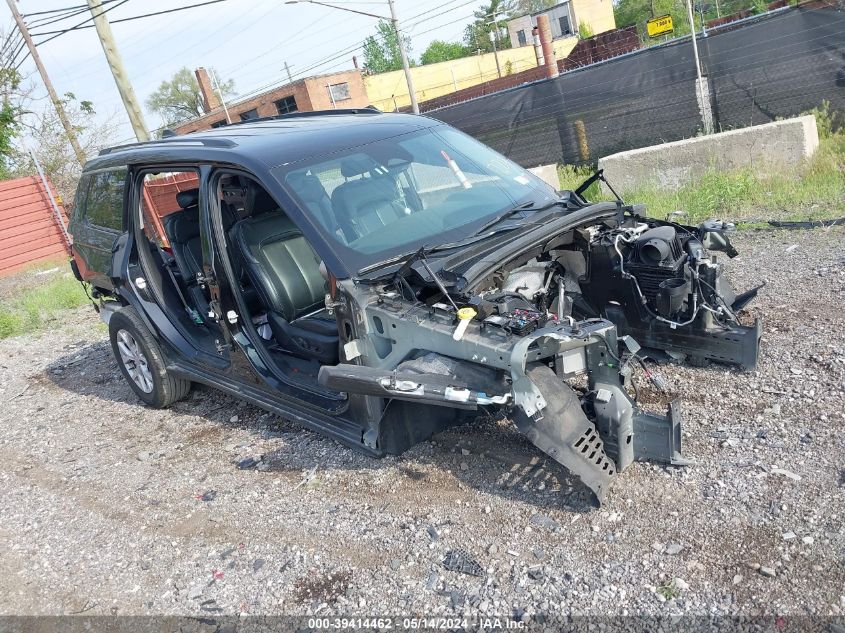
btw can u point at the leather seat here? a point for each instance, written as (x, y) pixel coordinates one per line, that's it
(183, 233)
(285, 272)
(368, 203)
(311, 191)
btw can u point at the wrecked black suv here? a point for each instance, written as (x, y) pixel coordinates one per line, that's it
(380, 277)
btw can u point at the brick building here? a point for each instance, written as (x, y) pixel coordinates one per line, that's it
(322, 92)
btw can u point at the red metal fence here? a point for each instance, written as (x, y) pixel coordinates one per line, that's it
(29, 230)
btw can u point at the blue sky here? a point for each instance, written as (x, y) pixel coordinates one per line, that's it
(244, 40)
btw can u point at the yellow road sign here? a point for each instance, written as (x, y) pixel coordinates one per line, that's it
(659, 26)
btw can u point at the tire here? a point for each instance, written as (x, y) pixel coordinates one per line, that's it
(141, 361)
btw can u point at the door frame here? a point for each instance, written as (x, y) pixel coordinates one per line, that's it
(152, 301)
(243, 333)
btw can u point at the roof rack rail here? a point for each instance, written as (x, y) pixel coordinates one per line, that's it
(170, 140)
(302, 115)
(224, 142)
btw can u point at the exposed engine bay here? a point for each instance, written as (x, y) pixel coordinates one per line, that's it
(550, 331)
(659, 282)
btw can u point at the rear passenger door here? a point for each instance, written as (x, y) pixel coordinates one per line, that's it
(97, 221)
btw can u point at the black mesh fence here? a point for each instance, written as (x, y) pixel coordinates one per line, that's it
(776, 66)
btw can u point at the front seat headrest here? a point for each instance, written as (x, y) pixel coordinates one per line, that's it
(188, 198)
(258, 201)
(309, 187)
(356, 165)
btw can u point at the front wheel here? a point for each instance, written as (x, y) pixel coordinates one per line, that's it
(141, 361)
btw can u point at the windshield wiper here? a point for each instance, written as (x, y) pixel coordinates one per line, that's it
(504, 215)
(472, 239)
(528, 206)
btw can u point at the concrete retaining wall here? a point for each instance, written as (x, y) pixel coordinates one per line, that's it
(547, 173)
(782, 145)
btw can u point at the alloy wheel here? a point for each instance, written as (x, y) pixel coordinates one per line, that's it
(134, 361)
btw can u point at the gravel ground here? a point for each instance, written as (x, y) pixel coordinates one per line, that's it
(107, 507)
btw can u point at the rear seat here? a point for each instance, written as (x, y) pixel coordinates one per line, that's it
(183, 233)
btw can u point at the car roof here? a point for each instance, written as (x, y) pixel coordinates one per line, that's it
(265, 143)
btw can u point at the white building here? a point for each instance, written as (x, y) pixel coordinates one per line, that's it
(564, 18)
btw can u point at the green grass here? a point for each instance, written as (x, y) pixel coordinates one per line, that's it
(814, 192)
(35, 307)
(668, 591)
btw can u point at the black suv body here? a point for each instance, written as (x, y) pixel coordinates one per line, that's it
(380, 277)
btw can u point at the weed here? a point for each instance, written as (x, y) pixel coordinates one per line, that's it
(571, 176)
(36, 307)
(668, 591)
(829, 122)
(816, 191)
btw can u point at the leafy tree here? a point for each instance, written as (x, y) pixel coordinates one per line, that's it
(585, 32)
(381, 51)
(180, 98)
(9, 127)
(440, 51)
(46, 136)
(15, 95)
(478, 34)
(525, 7)
(638, 12)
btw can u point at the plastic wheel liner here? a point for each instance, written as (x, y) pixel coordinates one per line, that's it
(564, 432)
(550, 414)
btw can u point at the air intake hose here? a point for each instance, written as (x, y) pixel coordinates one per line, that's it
(654, 245)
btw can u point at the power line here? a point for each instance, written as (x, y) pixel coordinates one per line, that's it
(39, 22)
(354, 48)
(78, 6)
(11, 42)
(440, 26)
(302, 72)
(414, 17)
(407, 27)
(306, 32)
(76, 26)
(129, 19)
(210, 38)
(129, 43)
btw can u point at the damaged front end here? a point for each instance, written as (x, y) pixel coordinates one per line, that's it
(548, 328)
(563, 384)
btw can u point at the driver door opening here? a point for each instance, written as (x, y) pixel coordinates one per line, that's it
(279, 288)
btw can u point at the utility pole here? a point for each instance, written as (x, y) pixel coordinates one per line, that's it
(494, 37)
(703, 95)
(124, 87)
(394, 21)
(287, 70)
(495, 52)
(60, 110)
(408, 79)
(222, 98)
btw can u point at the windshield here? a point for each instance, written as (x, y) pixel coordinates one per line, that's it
(424, 188)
